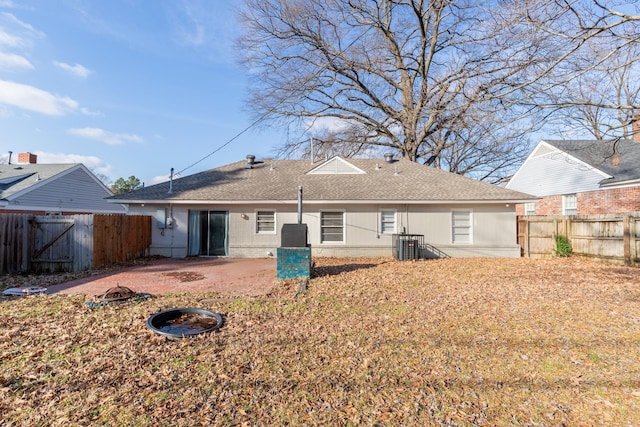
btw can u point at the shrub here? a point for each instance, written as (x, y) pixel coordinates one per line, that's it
(563, 246)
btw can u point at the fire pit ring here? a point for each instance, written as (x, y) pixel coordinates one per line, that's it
(184, 322)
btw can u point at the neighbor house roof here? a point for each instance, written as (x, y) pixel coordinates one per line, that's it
(54, 188)
(336, 180)
(18, 178)
(620, 158)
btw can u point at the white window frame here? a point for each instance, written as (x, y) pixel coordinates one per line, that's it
(275, 222)
(469, 227)
(530, 208)
(344, 228)
(395, 221)
(569, 204)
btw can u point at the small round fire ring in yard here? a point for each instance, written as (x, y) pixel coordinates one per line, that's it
(184, 322)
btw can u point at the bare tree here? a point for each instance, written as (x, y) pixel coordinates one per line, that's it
(604, 102)
(594, 90)
(451, 83)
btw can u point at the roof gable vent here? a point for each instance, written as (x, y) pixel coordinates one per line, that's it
(336, 166)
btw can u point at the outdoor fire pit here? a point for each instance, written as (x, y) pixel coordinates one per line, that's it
(184, 322)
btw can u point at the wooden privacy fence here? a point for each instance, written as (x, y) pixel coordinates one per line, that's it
(610, 237)
(30, 243)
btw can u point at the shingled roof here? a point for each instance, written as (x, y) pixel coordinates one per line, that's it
(337, 180)
(16, 178)
(619, 158)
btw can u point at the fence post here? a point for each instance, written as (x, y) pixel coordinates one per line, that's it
(555, 234)
(25, 265)
(633, 233)
(527, 252)
(626, 240)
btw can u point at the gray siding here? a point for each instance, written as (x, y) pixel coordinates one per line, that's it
(494, 229)
(73, 192)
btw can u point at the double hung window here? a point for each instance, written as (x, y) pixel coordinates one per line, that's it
(265, 222)
(462, 226)
(387, 221)
(331, 226)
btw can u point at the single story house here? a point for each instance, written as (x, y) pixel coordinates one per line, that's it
(352, 208)
(52, 189)
(580, 177)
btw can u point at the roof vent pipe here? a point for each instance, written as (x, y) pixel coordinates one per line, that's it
(388, 157)
(251, 159)
(171, 182)
(299, 204)
(10, 153)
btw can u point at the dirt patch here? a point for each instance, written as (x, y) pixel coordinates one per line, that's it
(184, 276)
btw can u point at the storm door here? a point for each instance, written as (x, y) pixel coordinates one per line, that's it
(208, 233)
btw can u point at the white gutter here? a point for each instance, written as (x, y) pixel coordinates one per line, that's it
(622, 184)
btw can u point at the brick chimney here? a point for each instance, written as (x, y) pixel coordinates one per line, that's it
(27, 158)
(635, 128)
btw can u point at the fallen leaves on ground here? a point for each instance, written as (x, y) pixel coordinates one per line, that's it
(372, 342)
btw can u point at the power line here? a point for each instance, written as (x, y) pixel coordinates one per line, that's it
(228, 142)
(264, 116)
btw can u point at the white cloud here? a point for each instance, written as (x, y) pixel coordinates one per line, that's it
(195, 24)
(327, 124)
(163, 178)
(95, 164)
(11, 61)
(105, 136)
(191, 29)
(158, 179)
(9, 40)
(77, 69)
(34, 99)
(15, 33)
(88, 112)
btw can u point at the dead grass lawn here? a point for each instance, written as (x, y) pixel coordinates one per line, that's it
(373, 342)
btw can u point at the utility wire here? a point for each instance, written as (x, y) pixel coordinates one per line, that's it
(258, 120)
(264, 116)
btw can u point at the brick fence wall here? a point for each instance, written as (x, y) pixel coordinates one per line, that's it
(610, 201)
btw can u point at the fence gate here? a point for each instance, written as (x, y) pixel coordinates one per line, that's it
(52, 244)
(47, 244)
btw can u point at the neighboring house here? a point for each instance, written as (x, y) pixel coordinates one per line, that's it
(352, 208)
(52, 189)
(580, 177)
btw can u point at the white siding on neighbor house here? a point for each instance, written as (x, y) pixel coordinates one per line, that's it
(494, 229)
(555, 173)
(73, 192)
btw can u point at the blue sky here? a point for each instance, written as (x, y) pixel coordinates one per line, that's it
(127, 87)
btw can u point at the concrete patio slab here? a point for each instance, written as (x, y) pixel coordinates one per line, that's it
(227, 276)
